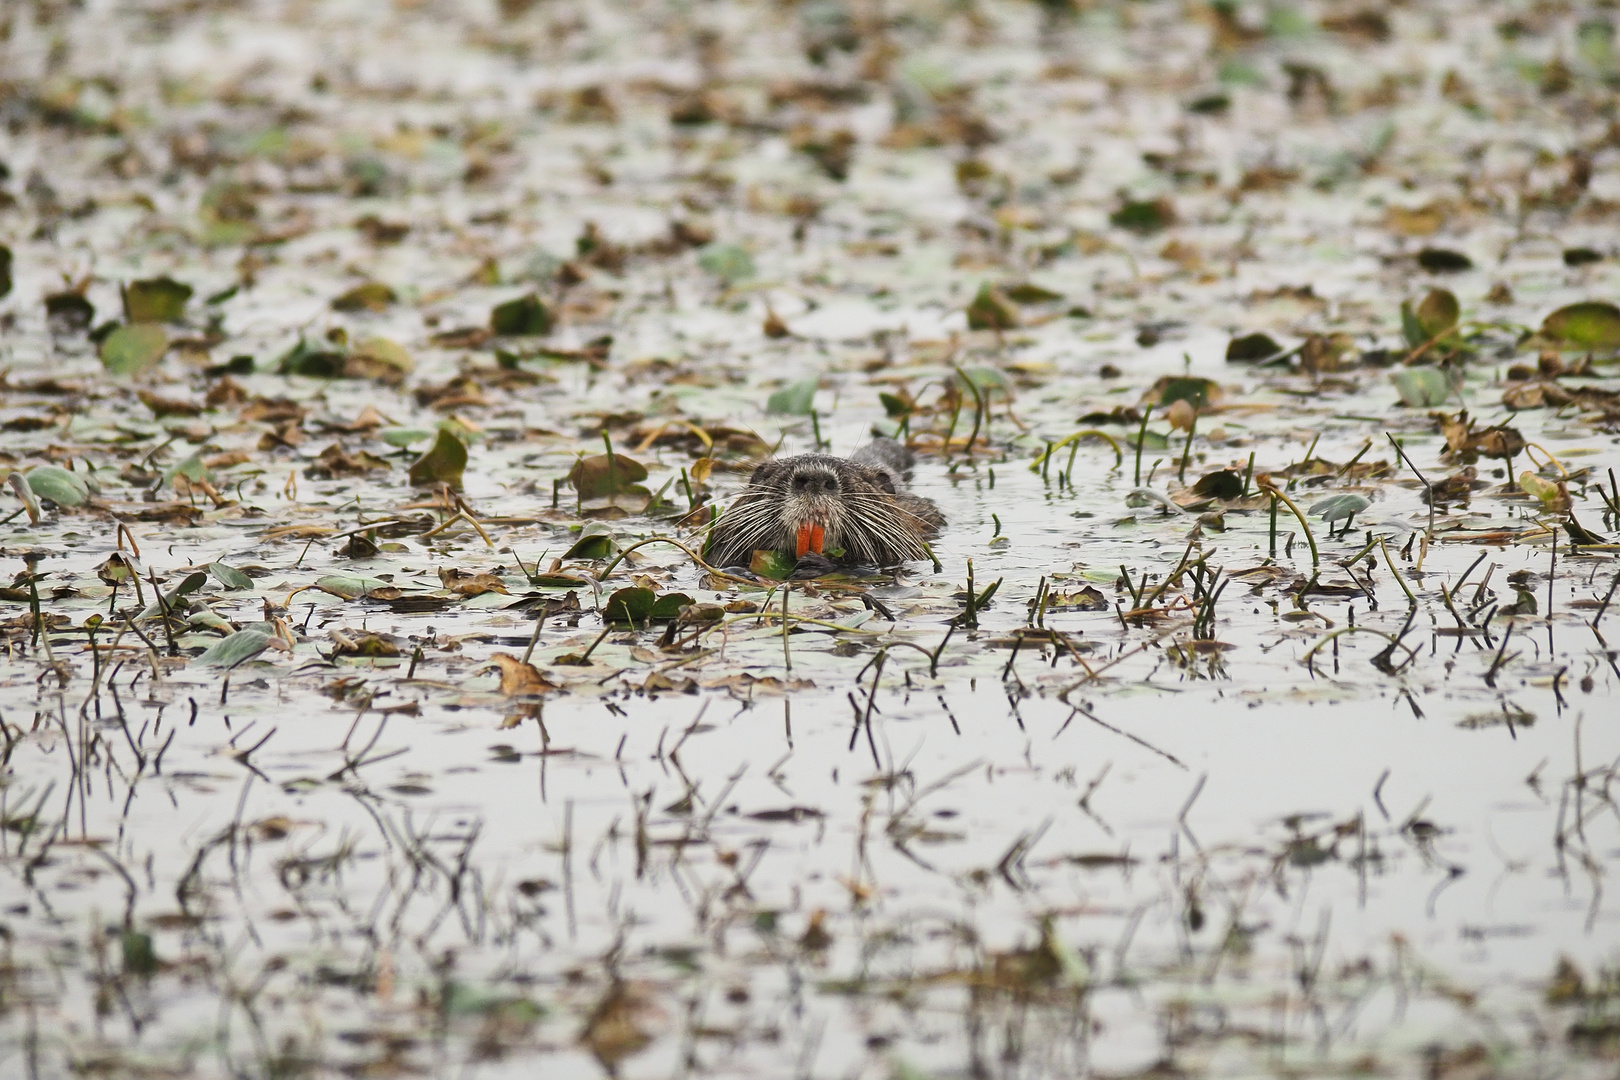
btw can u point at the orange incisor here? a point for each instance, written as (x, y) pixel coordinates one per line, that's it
(811, 537)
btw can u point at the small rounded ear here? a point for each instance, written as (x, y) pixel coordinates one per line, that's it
(884, 481)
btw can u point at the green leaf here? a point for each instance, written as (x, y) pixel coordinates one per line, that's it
(632, 605)
(131, 349)
(772, 564)
(1436, 313)
(155, 300)
(140, 958)
(191, 467)
(236, 648)
(57, 484)
(1251, 349)
(527, 315)
(991, 310)
(352, 586)
(595, 542)
(558, 581)
(230, 576)
(377, 357)
(444, 462)
(669, 605)
(5, 271)
(601, 477)
(1591, 324)
(794, 400)
(371, 296)
(728, 262)
(1195, 391)
(1222, 484)
(1339, 507)
(314, 360)
(1145, 216)
(1421, 387)
(984, 379)
(403, 436)
(1028, 293)
(1548, 492)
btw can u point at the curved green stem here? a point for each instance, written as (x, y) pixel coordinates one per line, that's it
(1119, 455)
(1316, 556)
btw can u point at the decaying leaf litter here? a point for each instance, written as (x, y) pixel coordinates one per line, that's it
(1258, 717)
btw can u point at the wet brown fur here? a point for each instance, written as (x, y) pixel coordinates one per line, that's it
(860, 502)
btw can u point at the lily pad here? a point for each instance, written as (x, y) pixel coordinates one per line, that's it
(60, 486)
(595, 542)
(601, 476)
(1591, 324)
(1431, 317)
(230, 576)
(1339, 507)
(728, 262)
(632, 605)
(155, 300)
(444, 462)
(1421, 387)
(370, 296)
(405, 436)
(132, 349)
(795, 400)
(237, 648)
(525, 316)
(991, 310)
(1251, 349)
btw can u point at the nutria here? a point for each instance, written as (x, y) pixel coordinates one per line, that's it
(828, 511)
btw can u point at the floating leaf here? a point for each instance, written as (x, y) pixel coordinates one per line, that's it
(728, 262)
(355, 587)
(1442, 261)
(1436, 313)
(315, 360)
(1144, 216)
(57, 484)
(1224, 484)
(1028, 293)
(519, 678)
(1198, 392)
(378, 358)
(1552, 495)
(525, 316)
(444, 462)
(1339, 507)
(69, 312)
(632, 605)
(130, 350)
(403, 436)
(595, 542)
(772, 564)
(230, 576)
(1591, 324)
(601, 476)
(1581, 256)
(5, 271)
(371, 296)
(1251, 348)
(1421, 387)
(668, 606)
(794, 400)
(991, 310)
(140, 958)
(237, 648)
(155, 300)
(191, 467)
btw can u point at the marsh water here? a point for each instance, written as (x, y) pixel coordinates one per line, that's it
(1203, 786)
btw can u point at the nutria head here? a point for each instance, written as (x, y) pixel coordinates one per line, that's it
(813, 503)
